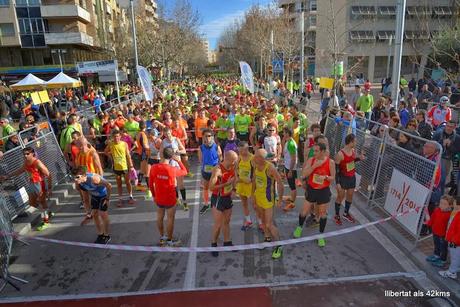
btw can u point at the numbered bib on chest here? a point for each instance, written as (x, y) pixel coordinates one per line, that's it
(245, 174)
(318, 179)
(350, 166)
(228, 189)
(259, 182)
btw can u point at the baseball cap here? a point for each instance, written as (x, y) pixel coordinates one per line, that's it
(444, 99)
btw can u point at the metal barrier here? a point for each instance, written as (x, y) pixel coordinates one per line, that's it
(6, 241)
(382, 155)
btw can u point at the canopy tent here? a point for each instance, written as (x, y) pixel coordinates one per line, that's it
(30, 82)
(62, 80)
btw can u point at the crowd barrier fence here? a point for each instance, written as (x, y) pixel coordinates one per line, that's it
(382, 154)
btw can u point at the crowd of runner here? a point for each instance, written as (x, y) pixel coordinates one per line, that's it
(247, 146)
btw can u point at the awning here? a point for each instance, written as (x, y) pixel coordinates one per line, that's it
(442, 11)
(30, 82)
(387, 10)
(62, 80)
(385, 35)
(363, 10)
(362, 35)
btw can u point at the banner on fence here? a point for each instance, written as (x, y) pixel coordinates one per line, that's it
(146, 82)
(404, 194)
(21, 197)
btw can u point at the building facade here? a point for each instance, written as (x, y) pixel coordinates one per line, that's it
(145, 9)
(38, 36)
(364, 34)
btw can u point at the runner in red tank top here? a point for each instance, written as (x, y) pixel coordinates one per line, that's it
(222, 182)
(346, 178)
(320, 171)
(37, 173)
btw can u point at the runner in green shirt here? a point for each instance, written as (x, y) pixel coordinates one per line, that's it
(222, 124)
(242, 122)
(131, 126)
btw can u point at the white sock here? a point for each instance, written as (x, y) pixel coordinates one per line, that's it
(247, 218)
(260, 221)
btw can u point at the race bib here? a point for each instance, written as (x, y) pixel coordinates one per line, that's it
(208, 168)
(245, 174)
(118, 160)
(259, 182)
(318, 179)
(350, 166)
(228, 189)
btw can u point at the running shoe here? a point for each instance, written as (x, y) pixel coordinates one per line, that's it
(131, 200)
(439, 263)
(106, 239)
(82, 206)
(86, 219)
(140, 187)
(432, 258)
(51, 214)
(43, 226)
(349, 217)
(448, 274)
(100, 239)
(185, 206)
(338, 220)
(214, 253)
(163, 241)
(173, 243)
(261, 228)
(148, 194)
(298, 232)
(204, 209)
(246, 225)
(289, 206)
(277, 252)
(321, 242)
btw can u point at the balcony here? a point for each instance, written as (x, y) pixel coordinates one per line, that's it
(6, 41)
(69, 38)
(362, 36)
(59, 11)
(363, 11)
(416, 35)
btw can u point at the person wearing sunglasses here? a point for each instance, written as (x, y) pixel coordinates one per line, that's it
(96, 193)
(37, 173)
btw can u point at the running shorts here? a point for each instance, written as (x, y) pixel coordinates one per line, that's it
(244, 189)
(347, 182)
(120, 173)
(321, 196)
(262, 201)
(221, 203)
(206, 176)
(38, 187)
(99, 203)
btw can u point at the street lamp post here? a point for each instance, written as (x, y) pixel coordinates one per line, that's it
(136, 58)
(302, 51)
(400, 20)
(59, 53)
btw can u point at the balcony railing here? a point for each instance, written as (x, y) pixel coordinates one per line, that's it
(65, 11)
(70, 38)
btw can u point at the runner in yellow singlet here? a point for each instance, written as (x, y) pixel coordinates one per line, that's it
(244, 183)
(263, 187)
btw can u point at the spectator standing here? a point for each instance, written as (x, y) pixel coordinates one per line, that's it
(440, 113)
(365, 104)
(424, 129)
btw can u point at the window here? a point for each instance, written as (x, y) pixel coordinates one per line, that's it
(24, 26)
(4, 2)
(37, 25)
(22, 12)
(6, 29)
(313, 5)
(312, 20)
(34, 12)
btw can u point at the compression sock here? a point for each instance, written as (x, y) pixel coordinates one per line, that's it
(301, 220)
(147, 181)
(322, 224)
(183, 194)
(139, 178)
(337, 208)
(347, 206)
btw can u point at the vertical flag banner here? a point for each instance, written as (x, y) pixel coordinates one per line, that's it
(247, 76)
(146, 82)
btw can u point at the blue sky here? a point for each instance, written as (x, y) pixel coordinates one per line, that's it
(217, 14)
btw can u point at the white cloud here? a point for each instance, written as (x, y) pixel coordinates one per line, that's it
(214, 28)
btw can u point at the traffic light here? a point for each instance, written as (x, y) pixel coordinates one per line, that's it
(270, 70)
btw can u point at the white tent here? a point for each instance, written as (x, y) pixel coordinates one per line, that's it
(62, 80)
(30, 82)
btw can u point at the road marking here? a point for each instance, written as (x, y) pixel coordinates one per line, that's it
(395, 252)
(414, 275)
(190, 275)
(149, 275)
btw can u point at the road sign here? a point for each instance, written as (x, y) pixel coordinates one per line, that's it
(278, 66)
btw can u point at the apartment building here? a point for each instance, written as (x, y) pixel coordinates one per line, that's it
(365, 32)
(38, 35)
(145, 9)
